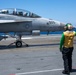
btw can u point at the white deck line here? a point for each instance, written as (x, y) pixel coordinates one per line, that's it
(34, 72)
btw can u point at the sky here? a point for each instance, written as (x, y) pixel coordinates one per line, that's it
(61, 10)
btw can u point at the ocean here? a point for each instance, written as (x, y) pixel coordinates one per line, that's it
(57, 32)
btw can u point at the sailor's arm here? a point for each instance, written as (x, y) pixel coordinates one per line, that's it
(75, 33)
(62, 42)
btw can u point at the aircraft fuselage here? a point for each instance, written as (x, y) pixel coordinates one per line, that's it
(10, 23)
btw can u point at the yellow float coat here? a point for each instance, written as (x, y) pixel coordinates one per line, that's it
(69, 36)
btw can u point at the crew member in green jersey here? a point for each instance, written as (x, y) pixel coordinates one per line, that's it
(66, 47)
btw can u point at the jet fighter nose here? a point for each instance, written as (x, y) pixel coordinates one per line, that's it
(62, 24)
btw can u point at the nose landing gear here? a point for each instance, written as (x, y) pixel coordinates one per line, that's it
(18, 43)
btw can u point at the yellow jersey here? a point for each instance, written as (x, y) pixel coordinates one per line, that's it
(69, 36)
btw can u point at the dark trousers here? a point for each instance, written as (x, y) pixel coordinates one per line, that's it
(67, 58)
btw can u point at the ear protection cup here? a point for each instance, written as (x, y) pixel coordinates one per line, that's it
(68, 26)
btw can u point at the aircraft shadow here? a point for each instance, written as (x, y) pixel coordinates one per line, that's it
(43, 45)
(3, 47)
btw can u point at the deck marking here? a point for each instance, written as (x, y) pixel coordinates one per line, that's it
(39, 71)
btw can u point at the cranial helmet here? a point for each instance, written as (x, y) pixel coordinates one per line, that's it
(68, 26)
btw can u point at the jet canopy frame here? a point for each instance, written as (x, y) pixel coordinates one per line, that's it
(19, 12)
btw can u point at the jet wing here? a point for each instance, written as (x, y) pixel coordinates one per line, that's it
(15, 26)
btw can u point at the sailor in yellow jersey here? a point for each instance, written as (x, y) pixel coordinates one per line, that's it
(66, 47)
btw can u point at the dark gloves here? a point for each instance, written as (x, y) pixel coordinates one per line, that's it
(60, 49)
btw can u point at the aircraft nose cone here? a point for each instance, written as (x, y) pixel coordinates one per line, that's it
(62, 24)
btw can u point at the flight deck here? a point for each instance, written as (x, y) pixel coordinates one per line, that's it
(42, 57)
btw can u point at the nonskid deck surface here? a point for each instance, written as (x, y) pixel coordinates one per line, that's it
(42, 57)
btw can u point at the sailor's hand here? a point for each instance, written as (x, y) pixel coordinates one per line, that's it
(60, 49)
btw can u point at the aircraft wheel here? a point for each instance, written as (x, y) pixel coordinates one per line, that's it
(18, 44)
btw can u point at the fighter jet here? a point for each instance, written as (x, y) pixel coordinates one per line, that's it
(23, 22)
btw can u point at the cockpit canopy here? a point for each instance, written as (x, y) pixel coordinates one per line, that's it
(19, 12)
